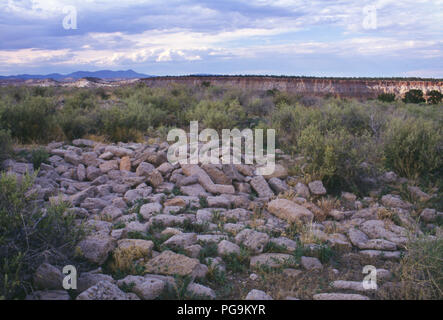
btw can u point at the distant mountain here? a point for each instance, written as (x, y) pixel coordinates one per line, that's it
(102, 74)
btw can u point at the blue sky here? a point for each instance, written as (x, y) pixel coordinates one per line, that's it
(290, 37)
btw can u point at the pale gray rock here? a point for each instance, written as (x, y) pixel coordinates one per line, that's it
(104, 290)
(48, 277)
(259, 184)
(272, 260)
(226, 247)
(339, 296)
(317, 188)
(311, 263)
(302, 190)
(255, 294)
(254, 240)
(200, 291)
(96, 248)
(149, 209)
(146, 288)
(278, 185)
(180, 241)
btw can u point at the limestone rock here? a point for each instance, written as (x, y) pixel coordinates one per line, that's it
(199, 291)
(171, 263)
(311, 263)
(339, 296)
(226, 247)
(259, 184)
(272, 260)
(48, 277)
(254, 240)
(104, 290)
(317, 188)
(255, 294)
(146, 288)
(96, 248)
(289, 211)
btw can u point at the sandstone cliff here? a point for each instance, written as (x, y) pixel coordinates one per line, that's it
(356, 88)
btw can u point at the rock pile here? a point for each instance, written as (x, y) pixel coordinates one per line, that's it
(128, 191)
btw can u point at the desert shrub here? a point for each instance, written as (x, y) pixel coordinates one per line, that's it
(420, 270)
(283, 97)
(259, 106)
(171, 104)
(414, 96)
(83, 99)
(42, 91)
(413, 147)
(386, 97)
(28, 232)
(335, 157)
(75, 123)
(128, 122)
(39, 156)
(434, 97)
(5, 144)
(102, 93)
(218, 115)
(30, 120)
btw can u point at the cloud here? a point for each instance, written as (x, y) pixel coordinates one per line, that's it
(181, 35)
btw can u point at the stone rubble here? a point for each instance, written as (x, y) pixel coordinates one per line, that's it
(131, 189)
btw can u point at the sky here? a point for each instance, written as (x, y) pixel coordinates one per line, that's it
(337, 38)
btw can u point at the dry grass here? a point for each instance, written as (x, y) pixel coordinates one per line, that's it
(326, 205)
(308, 234)
(124, 260)
(97, 138)
(303, 286)
(420, 271)
(384, 214)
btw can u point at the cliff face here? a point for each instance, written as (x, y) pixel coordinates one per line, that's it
(354, 88)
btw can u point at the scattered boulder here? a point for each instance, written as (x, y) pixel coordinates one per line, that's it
(104, 290)
(317, 188)
(255, 294)
(253, 240)
(96, 248)
(311, 263)
(48, 277)
(289, 211)
(339, 296)
(146, 288)
(259, 184)
(199, 291)
(171, 263)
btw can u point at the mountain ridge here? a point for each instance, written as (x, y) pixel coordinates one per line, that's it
(102, 74)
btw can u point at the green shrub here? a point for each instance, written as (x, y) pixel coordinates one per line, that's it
(434, 97)
(29, 233)
(75, 123)
(412, 147)
(83, 99)
(386, 97)
(218, 115)
(335, 157)
(31, 119)
(39, 156)
(5, 144)
(414, 96)
(420, 271)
